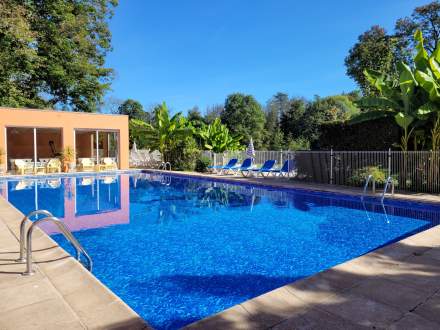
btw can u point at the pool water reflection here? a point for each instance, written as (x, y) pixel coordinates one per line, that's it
(81, 202)
(179, 249)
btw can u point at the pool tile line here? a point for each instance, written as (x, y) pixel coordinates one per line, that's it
(399, 199)
(14, 177)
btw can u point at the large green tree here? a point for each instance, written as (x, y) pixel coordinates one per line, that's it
(424, 18)
(275, 107)
(195, 117)
(244, 117)
(53, 53)
(375, 50)
(134, 110)
(18, 61)
(292, 120)
(213, 112)
(408, 98)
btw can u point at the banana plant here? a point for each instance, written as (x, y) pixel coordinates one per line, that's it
(404, 99)
(427, 74)
(165, 131)
(217, 138)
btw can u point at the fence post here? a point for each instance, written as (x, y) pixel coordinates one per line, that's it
(331, 166)
(281, 157)
(389, 162)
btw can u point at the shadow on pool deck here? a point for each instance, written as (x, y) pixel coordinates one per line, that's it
(395, 287)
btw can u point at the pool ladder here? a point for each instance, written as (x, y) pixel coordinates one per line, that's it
(367, 182)
(27, 238)
(389, 182)
(166, 166)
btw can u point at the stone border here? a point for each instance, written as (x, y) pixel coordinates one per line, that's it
(62, 293)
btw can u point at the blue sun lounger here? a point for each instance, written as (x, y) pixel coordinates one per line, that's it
(288, 168)
(245, 166)
(264, 170)
(232, 162)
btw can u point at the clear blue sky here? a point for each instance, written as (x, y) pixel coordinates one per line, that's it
(196, 52)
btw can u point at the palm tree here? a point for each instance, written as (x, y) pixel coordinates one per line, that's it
(401, 99)
(165, 131)
(217, 138)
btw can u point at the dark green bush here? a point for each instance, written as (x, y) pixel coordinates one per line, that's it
(202, 164)
(183, 155)
(378, 134)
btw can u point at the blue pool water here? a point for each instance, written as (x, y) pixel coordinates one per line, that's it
(178, 249)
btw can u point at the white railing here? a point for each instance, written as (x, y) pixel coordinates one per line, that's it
(416, 171)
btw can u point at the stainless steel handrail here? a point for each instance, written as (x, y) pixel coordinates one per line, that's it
(67, 234)
(22, 230)
(366, 185)
(164, 166)
(387, 184)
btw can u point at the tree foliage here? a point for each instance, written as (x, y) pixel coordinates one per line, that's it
(52, 53)
(216, 137)
(411, 97)
(164, 133)
(195, 117)
(374, 50)
(424, 18)
(134, 110)
(244, 117)
(213, 112)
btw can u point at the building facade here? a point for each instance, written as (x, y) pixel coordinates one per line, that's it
(34, 135)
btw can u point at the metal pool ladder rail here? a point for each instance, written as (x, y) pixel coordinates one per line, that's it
(367, 182)
(388, 182)
(48, 217)
(166, 166)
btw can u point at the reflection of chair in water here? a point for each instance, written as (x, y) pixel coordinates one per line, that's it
(54, 183)
(24, 184)
(86, 181)
(109, 179)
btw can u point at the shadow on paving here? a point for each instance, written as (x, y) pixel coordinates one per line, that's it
(395, 287)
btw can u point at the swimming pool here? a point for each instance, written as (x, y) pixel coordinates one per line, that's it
(179, 249)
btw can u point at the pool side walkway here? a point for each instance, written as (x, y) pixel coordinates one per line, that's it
(61, 295)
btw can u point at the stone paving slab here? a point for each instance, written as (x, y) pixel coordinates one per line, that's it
(61, 295)
(383, 289)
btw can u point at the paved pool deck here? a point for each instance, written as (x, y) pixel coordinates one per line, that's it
(395, 287)
(61, 295)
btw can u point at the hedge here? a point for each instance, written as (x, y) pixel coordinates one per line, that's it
(379, 134)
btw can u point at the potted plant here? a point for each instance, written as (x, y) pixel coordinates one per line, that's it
(2, 165)
(68, 158)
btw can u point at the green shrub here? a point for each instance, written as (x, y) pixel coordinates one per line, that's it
(379, 175)
(379, 134)
(202, 164)
(298, 144)
(183, 155)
